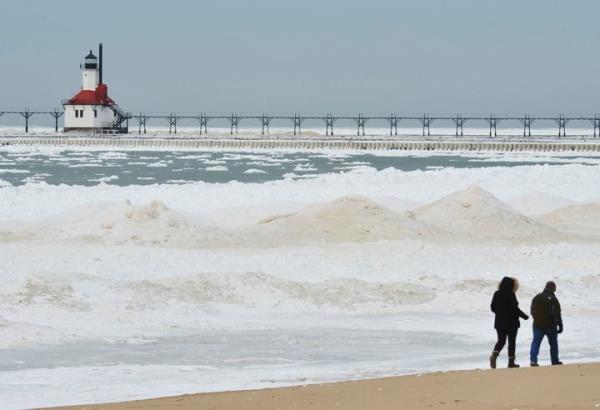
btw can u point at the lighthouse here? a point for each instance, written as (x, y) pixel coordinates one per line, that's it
(91, 109)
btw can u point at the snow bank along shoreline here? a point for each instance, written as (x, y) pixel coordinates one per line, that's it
(442, 144)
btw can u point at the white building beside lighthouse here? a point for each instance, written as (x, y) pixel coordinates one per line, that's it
(91, 109)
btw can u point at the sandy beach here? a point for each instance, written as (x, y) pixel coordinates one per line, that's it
(566, 387)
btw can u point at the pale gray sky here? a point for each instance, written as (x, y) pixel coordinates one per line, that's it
(378, 56)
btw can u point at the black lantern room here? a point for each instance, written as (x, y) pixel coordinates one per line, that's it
(91, 62)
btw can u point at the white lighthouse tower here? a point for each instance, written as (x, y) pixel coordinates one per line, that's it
(91, 109)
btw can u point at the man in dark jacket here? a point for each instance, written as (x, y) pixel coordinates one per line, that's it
(547, 321)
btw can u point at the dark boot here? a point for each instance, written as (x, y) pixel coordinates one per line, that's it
(493, 358)
(511, 363)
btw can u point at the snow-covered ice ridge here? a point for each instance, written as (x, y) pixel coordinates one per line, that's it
(406, 143)
(111, 293)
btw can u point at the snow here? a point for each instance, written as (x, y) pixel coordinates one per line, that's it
(255, 171)
(13, 171)
(575, 218)
(114, 224)
(346, 219)
(113, 155)
(479, 216)
(124, 292)
(104, 179)
(157, 164)
(537, 203)
(575, 182)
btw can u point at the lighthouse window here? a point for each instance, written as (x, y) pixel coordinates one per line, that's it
(95, 113)
(81, 113)
(76, 113)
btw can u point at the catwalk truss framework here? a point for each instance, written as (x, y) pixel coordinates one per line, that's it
(360, 120)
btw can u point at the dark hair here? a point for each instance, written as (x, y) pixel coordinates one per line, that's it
(506, 284)
(551, 286)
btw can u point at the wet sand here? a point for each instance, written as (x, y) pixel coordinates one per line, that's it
(575, 386)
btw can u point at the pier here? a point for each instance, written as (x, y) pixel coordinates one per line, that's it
(425, 122)
(304, 144)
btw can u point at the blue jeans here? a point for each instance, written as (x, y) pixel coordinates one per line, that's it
(538, 336)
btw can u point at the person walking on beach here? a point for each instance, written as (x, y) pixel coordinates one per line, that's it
(506, 308)
(547, 321)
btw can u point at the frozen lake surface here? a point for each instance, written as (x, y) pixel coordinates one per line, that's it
(76, 167)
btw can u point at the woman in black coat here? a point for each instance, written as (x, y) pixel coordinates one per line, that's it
(506, 308)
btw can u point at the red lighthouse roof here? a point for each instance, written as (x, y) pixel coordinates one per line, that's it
(92, 97)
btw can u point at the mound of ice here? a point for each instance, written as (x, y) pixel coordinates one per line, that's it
(17, 334)
(347, 219)
(265, 291)
(397, 204)
(57, 292)
(477, 214)
(538, 203)
(580, 218)
(249, 214)
(14, 236)
(150, 224)
(255, 171)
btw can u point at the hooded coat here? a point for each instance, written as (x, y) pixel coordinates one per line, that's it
(506, 307)
(545, 309)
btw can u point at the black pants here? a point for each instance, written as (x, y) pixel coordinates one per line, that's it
(512, 338)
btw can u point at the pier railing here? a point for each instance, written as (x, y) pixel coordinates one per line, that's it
(425, 122)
